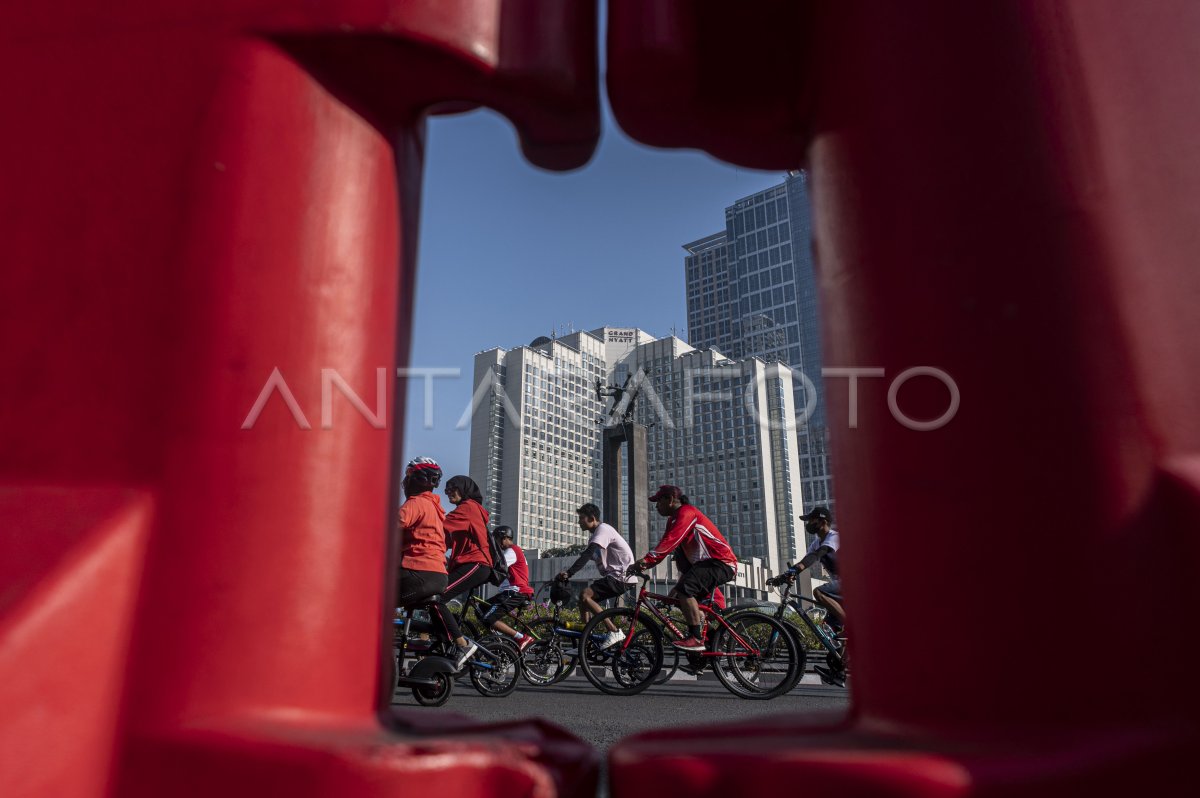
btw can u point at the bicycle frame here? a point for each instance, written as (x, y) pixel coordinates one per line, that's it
(788, 600)
(645, 601)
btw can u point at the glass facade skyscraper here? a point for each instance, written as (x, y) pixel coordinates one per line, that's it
(752, 293)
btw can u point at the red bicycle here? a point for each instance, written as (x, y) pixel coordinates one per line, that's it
(754, 655)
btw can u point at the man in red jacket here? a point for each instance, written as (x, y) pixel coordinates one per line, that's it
(712, 559)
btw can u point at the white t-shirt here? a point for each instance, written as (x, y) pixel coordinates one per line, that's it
(831, 540)
(615, 556)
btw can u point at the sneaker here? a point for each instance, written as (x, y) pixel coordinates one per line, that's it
(688, 644)
(694, 665)
(612, 638)
(524, 643)
(464, 655)
(830, 677)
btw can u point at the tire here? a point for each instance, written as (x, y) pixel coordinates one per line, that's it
(438, 694)
(765, 662)
(545, 662)
(628, 667)
(495, 676)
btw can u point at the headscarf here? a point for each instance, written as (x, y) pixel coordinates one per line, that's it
(466, 486)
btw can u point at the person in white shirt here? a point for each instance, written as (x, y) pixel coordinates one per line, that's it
(613, 557)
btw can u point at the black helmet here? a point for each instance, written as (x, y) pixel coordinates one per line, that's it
(502, 532)
(423, 471)
(560, 594)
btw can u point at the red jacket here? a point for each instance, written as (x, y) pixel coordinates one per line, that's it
(518, 571)
(466, 534)
(700, 538)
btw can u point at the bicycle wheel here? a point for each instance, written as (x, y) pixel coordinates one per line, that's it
(758, 658)
(545, 662)
(627, 666)
(437, 694)
(495, 667)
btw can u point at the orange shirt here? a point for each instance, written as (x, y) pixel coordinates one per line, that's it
(422, 536)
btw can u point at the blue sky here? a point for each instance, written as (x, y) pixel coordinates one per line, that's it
(509, 252)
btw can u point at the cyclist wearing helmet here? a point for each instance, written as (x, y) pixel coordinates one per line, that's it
(613, 558)
(712, 559)
(423, 548)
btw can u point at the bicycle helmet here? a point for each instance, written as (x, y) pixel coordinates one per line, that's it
(422, 472)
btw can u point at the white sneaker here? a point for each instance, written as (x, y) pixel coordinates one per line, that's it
(465, 654)
(612, 638)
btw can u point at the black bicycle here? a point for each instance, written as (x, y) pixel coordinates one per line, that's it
(833, 644)
(493, 668)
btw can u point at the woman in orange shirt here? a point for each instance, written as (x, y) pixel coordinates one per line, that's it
(423, 548)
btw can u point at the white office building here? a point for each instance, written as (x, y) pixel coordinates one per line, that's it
(722, 430)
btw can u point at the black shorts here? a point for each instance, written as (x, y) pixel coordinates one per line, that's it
(502, 604)
(703, 577)
(607, 587)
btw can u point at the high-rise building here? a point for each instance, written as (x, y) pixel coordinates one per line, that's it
(752, 293)
(721, 429)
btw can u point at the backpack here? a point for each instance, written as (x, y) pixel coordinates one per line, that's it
(499, 564)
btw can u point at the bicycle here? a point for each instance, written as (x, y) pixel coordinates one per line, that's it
(834, 645)
(753, 654)
(540, 629)
(493, 668)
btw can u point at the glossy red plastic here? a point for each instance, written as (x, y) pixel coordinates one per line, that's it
(195, 197)
(1005, 191)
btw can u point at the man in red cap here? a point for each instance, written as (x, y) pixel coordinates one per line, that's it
(712, 560)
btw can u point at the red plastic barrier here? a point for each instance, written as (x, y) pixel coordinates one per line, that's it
(1007, 191)
(195, 195)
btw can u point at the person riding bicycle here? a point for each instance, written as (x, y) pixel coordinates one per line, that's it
(515, 592)
(712, 559)
(613, 557)
(423, 550)
(823, 549)
(467, 538)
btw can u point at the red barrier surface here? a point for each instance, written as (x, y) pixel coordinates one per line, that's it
(1007, 191)
(196, 195)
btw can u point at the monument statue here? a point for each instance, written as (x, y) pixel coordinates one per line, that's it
(623, 398)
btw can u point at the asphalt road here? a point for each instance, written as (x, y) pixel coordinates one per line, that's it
(602, 719)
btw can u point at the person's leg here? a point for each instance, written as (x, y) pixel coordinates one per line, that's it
(462, 580)
(509, 604)
(832, 602)
(593, 594)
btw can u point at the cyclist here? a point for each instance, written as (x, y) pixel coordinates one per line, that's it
(613, 557)
(712, 561)
(823, 549)
(423, 549)
(515, 592)
(466, 537)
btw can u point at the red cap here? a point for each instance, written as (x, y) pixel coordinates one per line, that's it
(666, 492)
